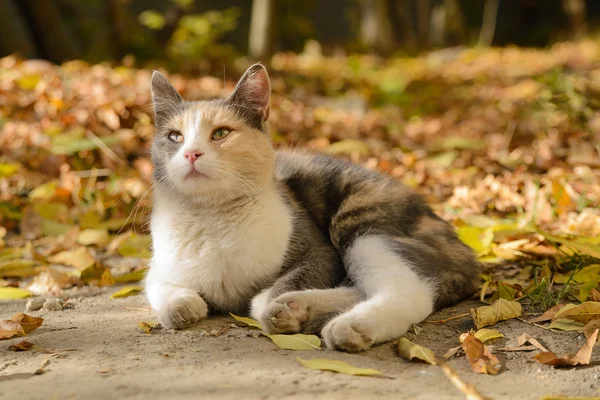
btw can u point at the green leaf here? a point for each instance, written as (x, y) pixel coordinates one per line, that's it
(479, 239)
(127, 291)
(587, 278)
(247, 321)
(564, 324)
(152, 19)
(323, 364)
(410, 351)
(53, 228)
(13, 293)
(298, 341)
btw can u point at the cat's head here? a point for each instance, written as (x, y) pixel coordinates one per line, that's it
(213, 150)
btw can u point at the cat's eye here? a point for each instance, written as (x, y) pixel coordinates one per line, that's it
(175, 137)
(220, 133)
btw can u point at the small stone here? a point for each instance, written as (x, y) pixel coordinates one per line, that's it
(214, 332)
(53, 305)
(34, 304)
(255, 334)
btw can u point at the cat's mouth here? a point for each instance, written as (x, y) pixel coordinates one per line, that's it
(195, 174)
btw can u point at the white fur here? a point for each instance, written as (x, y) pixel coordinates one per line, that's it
(396, 297)
(225, 257)
(260, 303)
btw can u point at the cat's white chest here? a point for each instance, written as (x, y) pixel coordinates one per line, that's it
(226, 258)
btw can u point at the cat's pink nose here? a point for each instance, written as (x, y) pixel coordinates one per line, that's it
(192, 155)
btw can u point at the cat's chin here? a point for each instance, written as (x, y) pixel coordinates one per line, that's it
(195, 175)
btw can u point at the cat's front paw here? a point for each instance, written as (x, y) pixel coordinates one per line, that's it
(183, 311)
(348, 334)
(285, 314)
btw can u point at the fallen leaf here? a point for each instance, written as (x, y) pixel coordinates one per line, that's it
(127, 291)
(149, 327)
(452, 352)
(18, 268)
(21, 346)
(97, 237)
(410, 351)
(106, 278)
(582, 357)
(548, 315)
(10, 293)
(586, 280)
(247, 321)
(10, 328)
(521, 348)
(590, 327)
(479, 239)
(481, 359)
(348, 146)
(323, 364)
(135, 246)
(79, 258)
(485, 335)
(595, 295)
(298, 341)
(564, 324)
(27, 322)
(134, 276)
(525, 338)
(499, 311)
(584, 313)
(576, 244)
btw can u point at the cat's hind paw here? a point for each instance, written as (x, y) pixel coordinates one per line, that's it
(182, 312)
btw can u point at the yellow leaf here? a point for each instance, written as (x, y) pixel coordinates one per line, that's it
(43, 192)
(148, 327)
(485, 335)
(410, 350)
(479, 239)
(499, 311)
(583, 313)
(13, 293)
(134, 276)
(247, 321)
(79, 258)
(97, 237)
(579, 244)
(298, 341)
(564, 203)
(348, 146)
(323, 364)
(127, 291)
(18, 268)
(564, 324)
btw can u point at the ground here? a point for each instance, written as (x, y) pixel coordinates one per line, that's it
(113, 358)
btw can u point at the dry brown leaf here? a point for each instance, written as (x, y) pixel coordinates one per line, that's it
(525, 338)
(582, 357)
(481, 359)
(27, 322)
(10, 328)
(548, 315)
(23, 345)
(595, 295)
(499, 311)
(591, 327)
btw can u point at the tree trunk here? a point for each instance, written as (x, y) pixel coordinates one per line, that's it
(49, 33)
(437, 31)
(260, 43)
(423, 19)
(14, 35)
(376, 28)
(576, 11)
(488, 26)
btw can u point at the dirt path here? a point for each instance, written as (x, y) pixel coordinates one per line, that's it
(115, 360)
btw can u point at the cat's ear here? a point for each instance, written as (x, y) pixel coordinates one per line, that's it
(253, 90)
(167, 102)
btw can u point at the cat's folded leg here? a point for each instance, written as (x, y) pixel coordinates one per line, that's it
(303, 310)
(177, 306)
(396, 297)
(304, 298)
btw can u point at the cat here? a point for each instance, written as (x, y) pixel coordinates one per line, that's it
(305, 242)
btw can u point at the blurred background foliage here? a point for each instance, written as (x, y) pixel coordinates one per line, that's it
(204, 35)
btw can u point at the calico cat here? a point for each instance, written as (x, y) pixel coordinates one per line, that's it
(306, 242)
